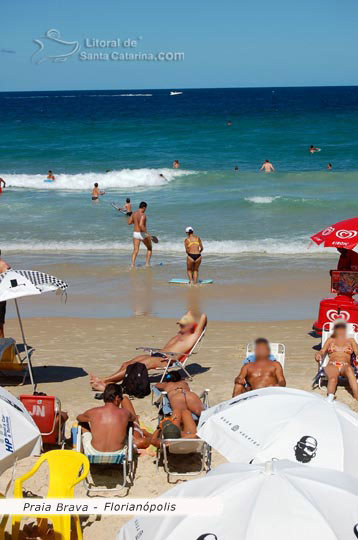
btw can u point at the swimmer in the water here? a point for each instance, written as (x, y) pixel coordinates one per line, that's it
(267, 166)
(176, 164)
(313, 149)
(236, 168)
(229, 123)
(2, 183)
(51, 176)
(126, 208)
(162, 176)
(96, 193)
(329, 166)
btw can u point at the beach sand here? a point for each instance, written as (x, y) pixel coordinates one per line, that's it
(72, 348)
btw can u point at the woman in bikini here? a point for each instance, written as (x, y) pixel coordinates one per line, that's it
(339, 349)
(193, 248)
(183, 402)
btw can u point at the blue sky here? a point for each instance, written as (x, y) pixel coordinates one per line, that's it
(226, 43)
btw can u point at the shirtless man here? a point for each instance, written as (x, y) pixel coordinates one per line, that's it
(312, 149)
(185, 339)
(127, 207)
(2, 183)
(108, 424)
(3, 268)
(267, 166)
(51, 176)
(176, 164)
(96, 193)
(140, 233)
(261, 373)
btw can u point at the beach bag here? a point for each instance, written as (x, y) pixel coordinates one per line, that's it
(136, 381)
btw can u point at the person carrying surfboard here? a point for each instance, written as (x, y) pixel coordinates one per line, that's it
(140, 234)
(193, 247)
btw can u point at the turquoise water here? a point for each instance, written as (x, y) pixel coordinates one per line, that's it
(79, 135)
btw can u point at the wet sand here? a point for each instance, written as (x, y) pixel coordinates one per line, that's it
(70, 348)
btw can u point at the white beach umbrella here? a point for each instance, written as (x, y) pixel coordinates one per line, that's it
(274, 501)
(19, 435)
(16, 284)
(283, 423)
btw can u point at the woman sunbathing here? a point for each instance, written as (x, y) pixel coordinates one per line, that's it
(339, 349)
(180, 396)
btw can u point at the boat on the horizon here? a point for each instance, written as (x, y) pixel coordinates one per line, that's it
(175, 93)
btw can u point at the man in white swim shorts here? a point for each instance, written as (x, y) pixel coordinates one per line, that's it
(140, 234)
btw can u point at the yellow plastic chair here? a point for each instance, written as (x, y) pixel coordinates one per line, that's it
(64, 469)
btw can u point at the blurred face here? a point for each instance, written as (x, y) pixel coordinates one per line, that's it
(262, 350)
(186, 328)
(340, 331)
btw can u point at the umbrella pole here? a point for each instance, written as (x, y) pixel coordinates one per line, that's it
(26, 347)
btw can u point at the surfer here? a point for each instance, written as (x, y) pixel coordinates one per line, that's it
(51, 176)
(267, 166)
(193, 248)
(140, 233)
(2, 183)
(313, 149)
(176, 164)
(96, 193)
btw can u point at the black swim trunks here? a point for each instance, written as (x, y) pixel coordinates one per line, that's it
(2, 312)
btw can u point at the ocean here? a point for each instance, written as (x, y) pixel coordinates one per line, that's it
(245, 218)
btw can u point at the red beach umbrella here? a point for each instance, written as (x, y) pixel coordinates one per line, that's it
(343, 234)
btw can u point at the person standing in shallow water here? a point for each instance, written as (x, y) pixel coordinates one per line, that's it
(267, 166)
(193, 248)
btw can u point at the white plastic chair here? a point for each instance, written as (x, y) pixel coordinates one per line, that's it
(278, 350)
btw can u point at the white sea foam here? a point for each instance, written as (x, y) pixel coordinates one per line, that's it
(262, 200)
(125, 178)
(268, 246)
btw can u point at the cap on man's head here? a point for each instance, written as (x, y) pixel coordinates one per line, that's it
(189, 229)
(186, 319)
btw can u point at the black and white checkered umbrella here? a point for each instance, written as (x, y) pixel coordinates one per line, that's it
(19, 283)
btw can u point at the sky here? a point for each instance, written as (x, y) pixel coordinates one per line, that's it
(231, 43)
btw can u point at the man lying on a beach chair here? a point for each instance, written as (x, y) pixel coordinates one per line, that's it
(261, 373)
(188, 334)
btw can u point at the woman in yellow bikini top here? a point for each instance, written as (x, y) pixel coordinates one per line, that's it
(340, 349)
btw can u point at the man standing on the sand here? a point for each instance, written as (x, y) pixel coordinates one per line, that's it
(3, 268)
(140, 234)
(259, 374)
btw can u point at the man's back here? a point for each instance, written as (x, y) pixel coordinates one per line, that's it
(139, 221)
(108, 427)
(264, 373)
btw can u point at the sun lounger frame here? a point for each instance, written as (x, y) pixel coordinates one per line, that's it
(127, 465)
(164, 449)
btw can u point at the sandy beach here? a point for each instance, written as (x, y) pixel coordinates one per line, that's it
(68, 349)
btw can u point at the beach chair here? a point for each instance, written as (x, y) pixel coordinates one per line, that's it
(278, 350)
(320, 378)
(176, 360)
(125, 463)
(66, 469)
(13, 358)
(46, 413)
(180, 447)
